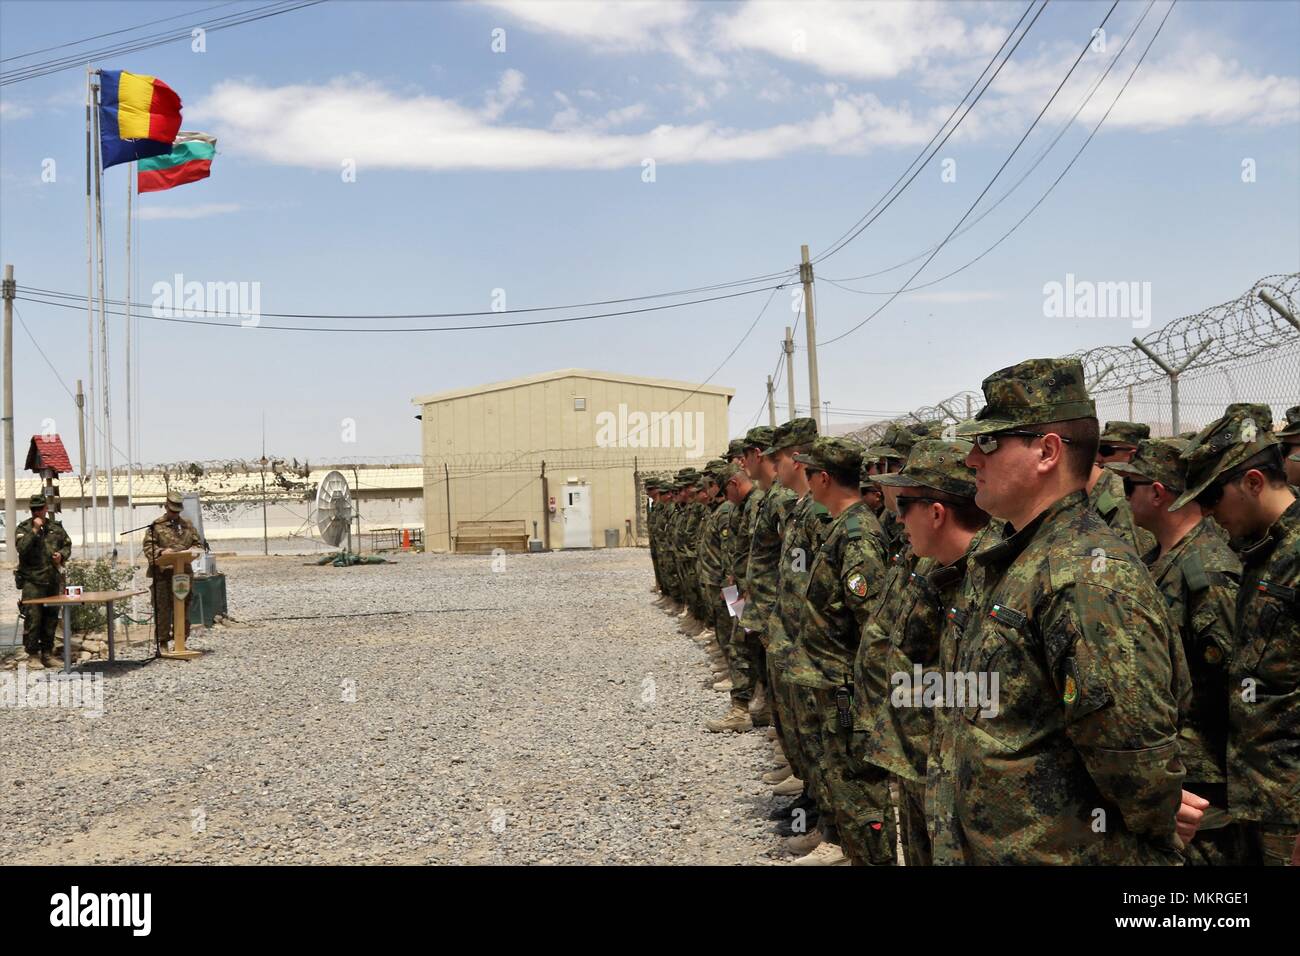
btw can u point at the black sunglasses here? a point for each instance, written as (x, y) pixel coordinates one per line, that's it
(1130, 484)
(988, 443)
(905, 500)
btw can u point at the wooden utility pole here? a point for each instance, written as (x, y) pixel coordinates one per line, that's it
(814, 386)
(446, 480)
(81, 443)
(11, 473)
(789, 368)
(771, 403)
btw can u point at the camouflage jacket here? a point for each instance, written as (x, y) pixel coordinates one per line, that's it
(168, 532)
(900, 641)
(712, 528)
(736, 549)
(1107, 496)
(1199, 579)
(894, 537)
(688, 535)
(844, 581)
(765, 559)
(801, 537)
(1264, 677)
(1073, 757)
(36, 551)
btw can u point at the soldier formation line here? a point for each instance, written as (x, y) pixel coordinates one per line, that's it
(1019, 639)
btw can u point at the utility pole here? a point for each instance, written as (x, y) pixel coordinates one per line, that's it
(11, 505)
(789, 367)
(81, 443)
(814, 386)
(771, 403)
(1173, 374)
(826, 418)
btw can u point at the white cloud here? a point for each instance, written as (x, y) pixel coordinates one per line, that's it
(13, 111)
(320, 126)
(860, 40)
(201, 211)
(504, 96)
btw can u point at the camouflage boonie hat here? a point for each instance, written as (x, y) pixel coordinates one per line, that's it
(174, 501)
(687, 477)
(710, 470)
(37, 501)
(1031, 393)
(937, 465)
(1157, 459)
(895, 443)
(760, 436)
(931, 429)
(724, 473)
(797, 431)
(837, 454)
(735, 449)
(1243, 432)
(1292, 426)
(1125, 433)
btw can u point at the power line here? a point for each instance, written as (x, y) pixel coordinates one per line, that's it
(1096, 86)
(443, 328)
(48, 67)
(985, 190)
(922, 160)
(100, 36)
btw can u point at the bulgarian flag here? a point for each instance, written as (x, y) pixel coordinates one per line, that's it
(190, 160)
(138, 116)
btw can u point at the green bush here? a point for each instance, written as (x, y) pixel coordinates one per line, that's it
(96, 575)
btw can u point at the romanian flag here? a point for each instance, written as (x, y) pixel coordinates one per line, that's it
(139, 116)
(190, 160)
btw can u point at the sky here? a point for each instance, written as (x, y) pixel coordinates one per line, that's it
(399, 158)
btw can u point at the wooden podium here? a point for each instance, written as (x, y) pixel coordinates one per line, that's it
(178, 562)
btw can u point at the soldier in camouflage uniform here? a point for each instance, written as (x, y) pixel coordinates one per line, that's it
(711, 571)
(744, 496)
(800, 537)
(844, 579)
(1118, 441)
(1234, 471)
(1198, 575)
(170, 531)
(887, 458)
(936, 503)
(1073, 758)
(1288, 433)
(43, 551)
(670, 496)
(686, 546)
(654, 514)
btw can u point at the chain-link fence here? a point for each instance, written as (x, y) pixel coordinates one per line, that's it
(1243, 350)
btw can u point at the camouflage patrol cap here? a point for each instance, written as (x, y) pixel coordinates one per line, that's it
(938, 465)
(1031, 392)
(174, 501)
(1156, 459)
(1125, 433)
(735, 449)
(37, 501)
(833, 454)
(760, 436)
(864, 479)
(1292, 426)
(927, 429)
(797, 431)
(1243, 432)
(710, 470)
(1188, 435)
(687, 478)
(895, 443)
(724, 473)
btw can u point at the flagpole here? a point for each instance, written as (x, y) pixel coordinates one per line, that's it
(90, 323)
(130, 468)
(105, 389)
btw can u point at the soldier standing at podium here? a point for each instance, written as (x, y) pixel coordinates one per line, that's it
(170, 532)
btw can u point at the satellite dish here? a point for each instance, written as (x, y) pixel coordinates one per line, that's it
(334, 510)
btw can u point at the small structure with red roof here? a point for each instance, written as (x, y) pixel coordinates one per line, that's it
(47, 457)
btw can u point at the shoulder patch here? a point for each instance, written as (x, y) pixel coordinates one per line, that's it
(1000, 612)
(1194, 574)
(857, 583)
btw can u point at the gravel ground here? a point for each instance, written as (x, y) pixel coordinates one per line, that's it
(547, 713)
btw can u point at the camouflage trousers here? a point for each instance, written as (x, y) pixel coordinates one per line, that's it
(852, 794)
(1271, 844)
(783, 719)
(162, 609)
(40, 622)
(911, 822)
(694, 595)
(743, 665)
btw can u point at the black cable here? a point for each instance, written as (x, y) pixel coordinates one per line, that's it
(100, 36)
(985, 190)
(858, 230)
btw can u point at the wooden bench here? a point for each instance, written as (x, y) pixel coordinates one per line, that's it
(484, 537)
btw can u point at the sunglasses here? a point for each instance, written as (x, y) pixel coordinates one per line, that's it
(905, 500)
(989, 443)
(1108, 450)
(1130, 484)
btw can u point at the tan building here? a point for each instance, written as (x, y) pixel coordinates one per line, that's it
(558, 456)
